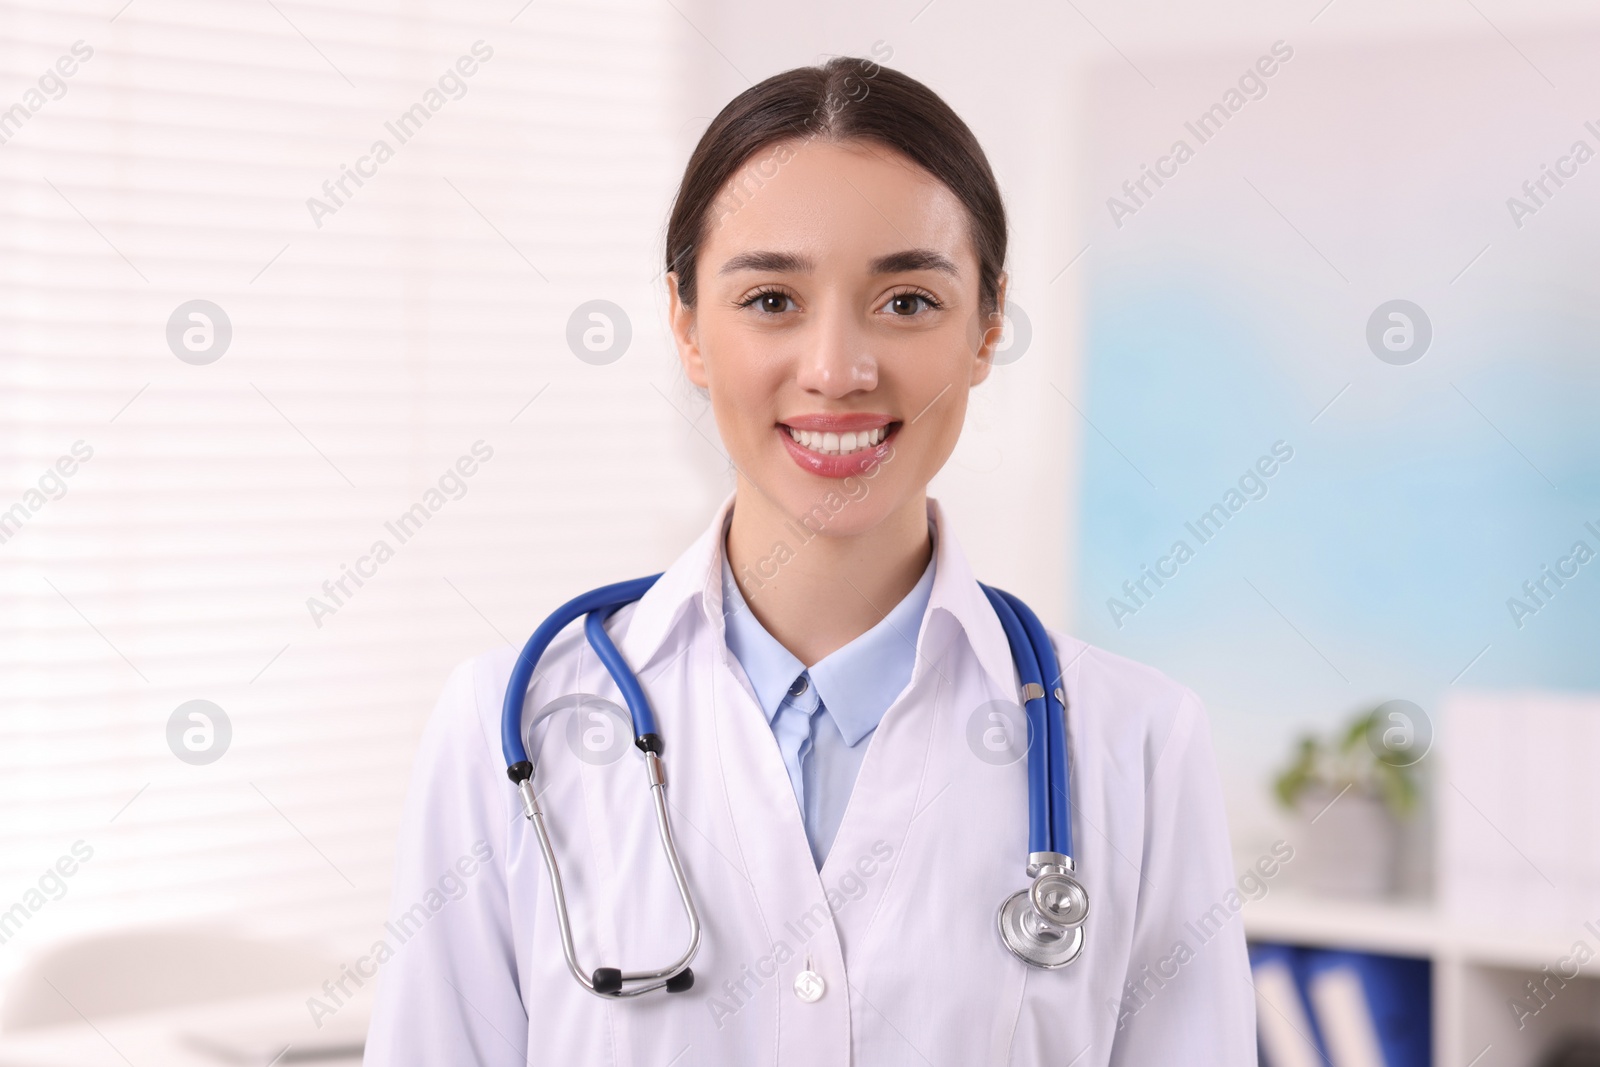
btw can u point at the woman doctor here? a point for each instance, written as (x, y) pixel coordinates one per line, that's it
(825, 672)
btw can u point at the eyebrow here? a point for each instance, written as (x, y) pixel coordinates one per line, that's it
(894, 263)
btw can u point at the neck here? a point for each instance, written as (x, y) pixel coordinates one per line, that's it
(816, 590)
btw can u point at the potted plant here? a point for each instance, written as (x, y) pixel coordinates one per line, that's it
(1349, 794)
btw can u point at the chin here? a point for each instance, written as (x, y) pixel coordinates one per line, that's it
(843, 507)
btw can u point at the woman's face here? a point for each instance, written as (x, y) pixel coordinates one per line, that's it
(836, 328)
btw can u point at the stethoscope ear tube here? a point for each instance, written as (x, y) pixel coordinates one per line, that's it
(609, 981)
(607, 596)
(1041, 829)
(644, 719)
(597, 606)
(1060, 771)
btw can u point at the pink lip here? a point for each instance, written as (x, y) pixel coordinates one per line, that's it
(858, 462)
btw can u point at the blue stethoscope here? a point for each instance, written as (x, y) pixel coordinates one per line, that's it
(1041, 925)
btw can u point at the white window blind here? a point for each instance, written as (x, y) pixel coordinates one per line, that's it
(420, 323)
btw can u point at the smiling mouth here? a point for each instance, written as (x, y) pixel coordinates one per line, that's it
(840, 444)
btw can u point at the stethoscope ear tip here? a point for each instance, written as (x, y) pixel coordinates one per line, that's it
(607, 981)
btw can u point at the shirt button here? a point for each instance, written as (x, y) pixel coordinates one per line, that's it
(809, 986)
(800, 685)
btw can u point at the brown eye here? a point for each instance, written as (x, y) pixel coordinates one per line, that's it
(906, 305)
(768, 301)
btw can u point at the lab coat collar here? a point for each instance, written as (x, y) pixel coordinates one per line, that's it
(694, 582)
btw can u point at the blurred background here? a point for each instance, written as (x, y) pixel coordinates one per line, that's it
(1297, 404)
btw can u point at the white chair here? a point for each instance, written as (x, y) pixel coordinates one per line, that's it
(149, 969)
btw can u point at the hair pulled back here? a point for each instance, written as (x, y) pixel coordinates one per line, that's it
(844, 99)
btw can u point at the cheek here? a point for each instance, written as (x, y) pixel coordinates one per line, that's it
(737, 421)
(931, 380)
(744, 379)
(943, 421)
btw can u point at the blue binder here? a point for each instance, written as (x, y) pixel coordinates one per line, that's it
(1370, 1010)
(1286, 1029)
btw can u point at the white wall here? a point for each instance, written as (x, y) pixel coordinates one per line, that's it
(368, 355)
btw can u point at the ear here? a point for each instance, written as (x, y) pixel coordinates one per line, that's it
(994, 328)
(681, 319)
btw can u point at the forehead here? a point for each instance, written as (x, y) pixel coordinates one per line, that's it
(837, 204)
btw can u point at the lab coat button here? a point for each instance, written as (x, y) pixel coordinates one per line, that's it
(809, 986)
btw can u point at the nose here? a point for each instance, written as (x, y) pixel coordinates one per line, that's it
(836, 356)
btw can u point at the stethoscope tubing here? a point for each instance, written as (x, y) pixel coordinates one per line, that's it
(1049, 810)
(1039, 829)
(644, 719)
(607, 598)
(1056, 748)
(596, 606)
(1041, 925)
(1049, 774)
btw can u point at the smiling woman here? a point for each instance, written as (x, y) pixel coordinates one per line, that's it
(847, 309)
(838, 690)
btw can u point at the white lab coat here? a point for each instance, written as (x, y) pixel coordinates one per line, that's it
(900, 923)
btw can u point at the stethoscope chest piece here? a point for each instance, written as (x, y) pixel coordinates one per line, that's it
(1034, 939)
(1059, 898)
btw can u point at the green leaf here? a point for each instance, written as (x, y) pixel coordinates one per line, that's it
(1348, 761)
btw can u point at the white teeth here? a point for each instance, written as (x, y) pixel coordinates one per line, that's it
(834, 444)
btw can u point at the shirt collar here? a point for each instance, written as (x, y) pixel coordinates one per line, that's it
(956, 605)
(856, 682)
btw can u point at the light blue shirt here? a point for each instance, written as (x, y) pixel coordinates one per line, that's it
(851, 687)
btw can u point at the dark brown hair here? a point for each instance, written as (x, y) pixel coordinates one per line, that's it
(844, 99)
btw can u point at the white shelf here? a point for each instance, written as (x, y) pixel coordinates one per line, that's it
(1513, 833)
(1477, 968)
(1396, 928)
(1413, 928)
